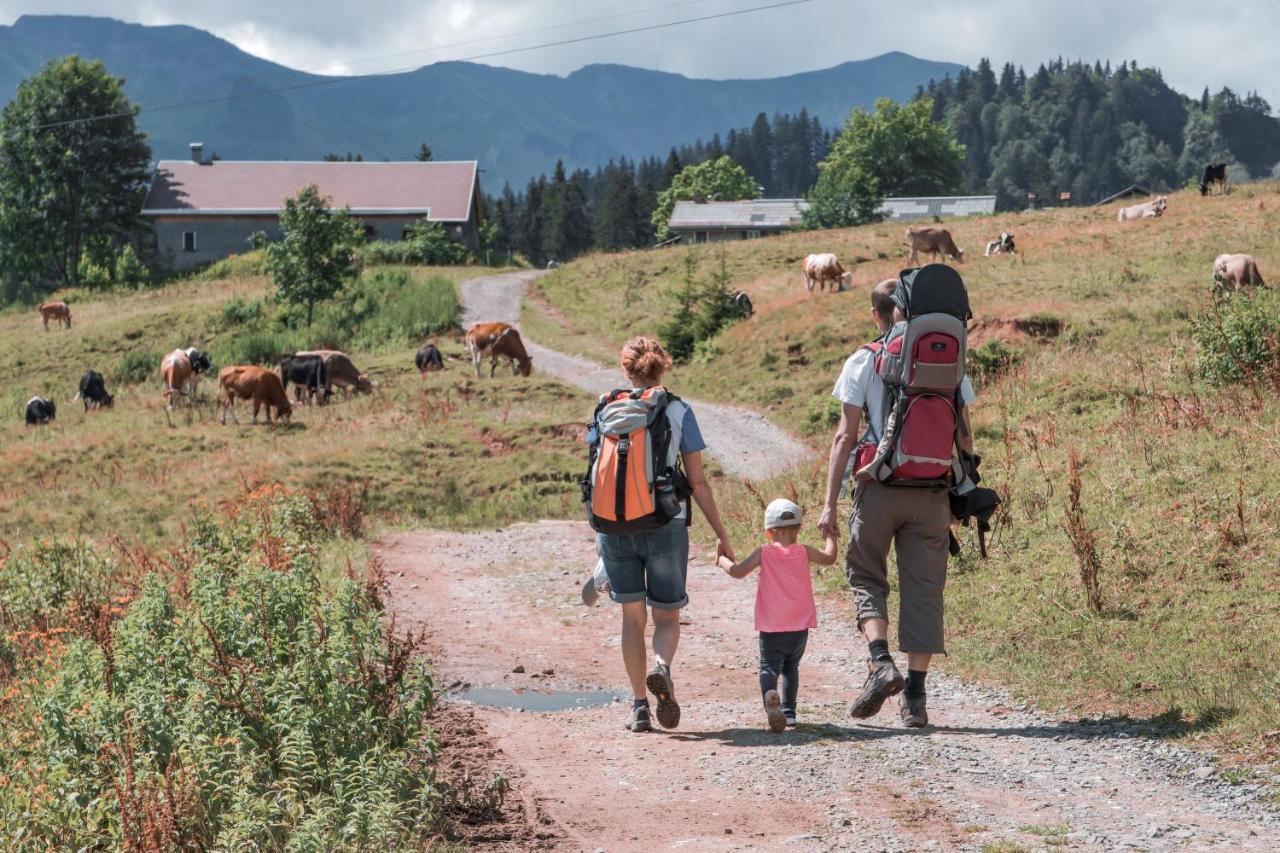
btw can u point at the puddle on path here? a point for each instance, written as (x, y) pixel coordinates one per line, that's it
(537, 700)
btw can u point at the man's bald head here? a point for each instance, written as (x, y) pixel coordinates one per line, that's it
(882, 300)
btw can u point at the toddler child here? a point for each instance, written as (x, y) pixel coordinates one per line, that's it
(785, 610)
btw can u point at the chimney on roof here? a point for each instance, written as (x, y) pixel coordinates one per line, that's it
(197, 152)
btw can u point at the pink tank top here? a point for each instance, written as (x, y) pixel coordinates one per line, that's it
(784, 592)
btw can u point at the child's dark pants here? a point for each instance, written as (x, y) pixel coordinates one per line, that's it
(780, 654)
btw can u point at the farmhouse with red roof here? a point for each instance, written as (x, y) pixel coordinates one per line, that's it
(205, 210)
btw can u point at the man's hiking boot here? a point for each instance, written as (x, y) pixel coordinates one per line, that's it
(639, 721)
(913, 712)
(660, 685)
(883, 681)
(773, 709)
(790, 719)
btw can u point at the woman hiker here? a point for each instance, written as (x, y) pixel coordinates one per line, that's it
(647, 559)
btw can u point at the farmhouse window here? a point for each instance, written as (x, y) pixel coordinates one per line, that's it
(699, 236)
(188, 241)
(753, 234)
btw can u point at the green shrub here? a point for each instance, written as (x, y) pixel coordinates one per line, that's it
(256, 347)
(137, 366)
(94, 276)
(1239, 338)
(823, 415)
(238, 706)
(238, 311)
(129, 270)
(391, 307)
(425, 243)
(700, 311)
(990, 360)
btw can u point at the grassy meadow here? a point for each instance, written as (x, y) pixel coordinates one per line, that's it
(127, 472)
(1176, 476)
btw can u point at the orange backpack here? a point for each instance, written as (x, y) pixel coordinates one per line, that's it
(634, 482)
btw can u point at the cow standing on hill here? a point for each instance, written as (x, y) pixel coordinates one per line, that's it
(308, 376)
(1231, 272)
(176, 372)
(93, 391)
(822, 268)
(428, 359)
(498, 340)
(40, 411)
(340, 371)
(55, 311)
(249, 382)
(1153, 209)
(1215, 175)
(934, 241)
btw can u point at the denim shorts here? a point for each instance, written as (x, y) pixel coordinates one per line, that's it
(649, 567)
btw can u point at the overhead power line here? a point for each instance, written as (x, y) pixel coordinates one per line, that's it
(514, 34)
(331, 81)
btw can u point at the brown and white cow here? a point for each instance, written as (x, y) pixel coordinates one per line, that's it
(341, 371)
(498, 340)
(250, 382)
(1153, 209)
(934, 241)
(1231, 272)
(55, 311)
(822, 268)
(177, 373)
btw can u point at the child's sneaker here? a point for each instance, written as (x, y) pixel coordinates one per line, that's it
(773, 708)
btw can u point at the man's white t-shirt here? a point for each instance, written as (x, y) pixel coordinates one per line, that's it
(859, 385)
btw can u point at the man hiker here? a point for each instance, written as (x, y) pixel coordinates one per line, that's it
(916, 520)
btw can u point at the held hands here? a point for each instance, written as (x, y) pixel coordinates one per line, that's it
(827, 523)
(724, 551)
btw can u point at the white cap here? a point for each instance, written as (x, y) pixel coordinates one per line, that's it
(782, 513)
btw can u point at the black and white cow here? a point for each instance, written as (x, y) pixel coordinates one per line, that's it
(1214, 174)
(428, 359)
(93, 391)
(308, 375)
(40, 411)
(1003, 246)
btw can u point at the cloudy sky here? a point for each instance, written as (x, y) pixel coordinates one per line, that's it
(1233, 44)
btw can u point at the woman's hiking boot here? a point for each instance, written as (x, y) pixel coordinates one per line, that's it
(773, 710)
(883, 681)
(660, 685)
(913, 712)
(639, 721)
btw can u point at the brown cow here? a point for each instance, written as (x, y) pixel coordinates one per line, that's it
(935, 241)
(341, 371)
(249, 382)
(177, 373)
(822, 268)
(1231, 272)
(498, 340)
(55, 311)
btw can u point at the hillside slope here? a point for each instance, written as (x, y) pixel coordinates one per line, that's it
(517, 124)
(1177, 476)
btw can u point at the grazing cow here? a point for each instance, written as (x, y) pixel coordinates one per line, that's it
(55, 311)
(823, 268)
(340, 371)
(1002, 246)
(93, 391)
(1231, 272)
(249, 382)
(307, 373)
(1214, 175)
(40, 411)
(1153, 209)
(177, 372)
(934, 241)
(742, 304)
(498, 340)
(428, 359)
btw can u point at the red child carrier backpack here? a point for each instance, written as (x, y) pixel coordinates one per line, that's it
(921, 362)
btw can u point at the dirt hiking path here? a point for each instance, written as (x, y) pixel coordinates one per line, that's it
(732, 434)
(985, 771)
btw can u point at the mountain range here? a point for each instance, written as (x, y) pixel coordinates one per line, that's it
(517, 124)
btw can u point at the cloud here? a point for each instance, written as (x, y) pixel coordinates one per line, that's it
(1228, 45)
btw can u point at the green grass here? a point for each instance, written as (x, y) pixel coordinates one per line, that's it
(1178, 476)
